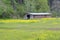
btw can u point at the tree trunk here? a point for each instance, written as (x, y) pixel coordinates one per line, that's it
(13, 4)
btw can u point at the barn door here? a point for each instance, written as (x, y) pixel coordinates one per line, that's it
(28, 16)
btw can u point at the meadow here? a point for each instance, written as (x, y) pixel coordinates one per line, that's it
(40, 29)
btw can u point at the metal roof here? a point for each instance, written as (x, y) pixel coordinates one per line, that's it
(39, 13)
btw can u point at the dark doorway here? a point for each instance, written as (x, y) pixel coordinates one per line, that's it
(28, 16)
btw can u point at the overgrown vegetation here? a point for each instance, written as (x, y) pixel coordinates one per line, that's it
(45, 29)
(17, 8)
(29, 35)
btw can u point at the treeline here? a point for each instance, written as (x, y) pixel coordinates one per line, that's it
(55, 7)
(18, 8)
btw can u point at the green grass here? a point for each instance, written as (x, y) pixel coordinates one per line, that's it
(6, 34)
(30, 26)
(30, 31)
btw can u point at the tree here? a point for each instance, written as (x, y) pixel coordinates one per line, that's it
(17, 8)
(55, 7)
(37, 6)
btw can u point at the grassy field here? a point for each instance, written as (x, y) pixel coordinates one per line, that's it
(44, 29)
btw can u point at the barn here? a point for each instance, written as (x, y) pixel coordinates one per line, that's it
(37, 15)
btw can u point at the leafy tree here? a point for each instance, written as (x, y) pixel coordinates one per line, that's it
(17, 8)
(37, 6)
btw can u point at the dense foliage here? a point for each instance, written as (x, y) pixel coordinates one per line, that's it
(55, 7)
(17, 8)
